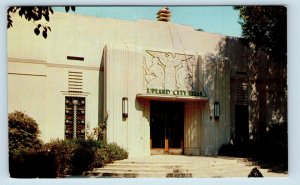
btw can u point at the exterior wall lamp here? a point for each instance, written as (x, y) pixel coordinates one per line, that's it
(125, 107)
(217, 110)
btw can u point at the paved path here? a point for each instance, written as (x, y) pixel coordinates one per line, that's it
(160, 166)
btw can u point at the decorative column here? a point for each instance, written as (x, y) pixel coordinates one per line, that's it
(75, 103)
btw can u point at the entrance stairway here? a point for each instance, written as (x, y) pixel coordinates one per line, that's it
(178, 166)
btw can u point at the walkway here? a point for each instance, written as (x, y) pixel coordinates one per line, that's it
(160, 166)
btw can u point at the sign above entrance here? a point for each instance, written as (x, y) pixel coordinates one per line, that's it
(164, 97)
(174, 92)
(173, 75)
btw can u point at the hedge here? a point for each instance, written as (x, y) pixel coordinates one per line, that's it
(30, 158)
(60, 158)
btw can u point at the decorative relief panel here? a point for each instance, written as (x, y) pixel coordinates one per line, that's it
(167, 70)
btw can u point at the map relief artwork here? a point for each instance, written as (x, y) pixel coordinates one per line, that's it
(166, 70)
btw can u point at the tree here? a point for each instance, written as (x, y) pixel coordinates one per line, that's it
(34, 13)
(266, 28)
(23, 132)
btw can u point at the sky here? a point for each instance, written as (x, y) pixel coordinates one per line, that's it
(215, 19)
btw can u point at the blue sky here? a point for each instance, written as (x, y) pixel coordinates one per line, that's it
(215, 19)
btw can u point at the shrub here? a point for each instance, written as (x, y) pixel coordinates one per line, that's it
(227, 150)
(24, 139)
(64, 157)
(101, 158)
(32, 164)
(84, 155)
(115, 152)
(271, 152)
(23, 132)
(72, 157)
(51, 160)
(278, 134)
(108, 154)
(63, 150)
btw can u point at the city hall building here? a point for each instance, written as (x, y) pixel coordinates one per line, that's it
(161, 87)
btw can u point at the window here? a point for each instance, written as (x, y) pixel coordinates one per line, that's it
(74, 117)
(75, 58)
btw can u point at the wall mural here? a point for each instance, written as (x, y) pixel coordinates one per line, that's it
(167, 70)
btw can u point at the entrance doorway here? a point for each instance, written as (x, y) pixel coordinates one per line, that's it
(166, 127)
(241, 124)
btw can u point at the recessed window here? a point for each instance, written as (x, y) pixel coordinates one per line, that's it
(75, 58)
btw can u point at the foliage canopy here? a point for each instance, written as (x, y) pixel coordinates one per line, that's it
(34, 13)
(23, 132)
(265, 27)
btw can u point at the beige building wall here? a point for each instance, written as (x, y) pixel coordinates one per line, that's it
(27, 79)
(113, 68)
(203, 135)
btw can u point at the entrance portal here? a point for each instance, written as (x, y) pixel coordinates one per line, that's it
(241, 124)
(166, 127)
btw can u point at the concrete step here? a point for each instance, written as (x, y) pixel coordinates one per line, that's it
(140, 175)
(156, 173)
(176, 167)
(144, 170)
(178, 162)
(201, 174)
(163, 167)
(166, 171)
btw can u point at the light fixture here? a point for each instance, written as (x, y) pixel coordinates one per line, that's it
(217, 110)
(125, 107)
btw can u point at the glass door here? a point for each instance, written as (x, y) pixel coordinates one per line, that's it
(166, 127)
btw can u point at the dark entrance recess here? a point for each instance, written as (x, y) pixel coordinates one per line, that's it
(166, 127)
(241, 123)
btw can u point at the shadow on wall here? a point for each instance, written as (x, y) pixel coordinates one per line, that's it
(266, 79)
(216, 79)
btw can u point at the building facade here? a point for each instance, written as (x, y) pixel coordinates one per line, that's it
(160, 87)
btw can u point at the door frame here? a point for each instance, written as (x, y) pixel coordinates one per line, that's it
(166, 149)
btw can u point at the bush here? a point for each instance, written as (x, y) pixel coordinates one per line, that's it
(63, 150)
(108, 154)
(23, 132)
(84, 155)
(76, 156)
(24, 139)
(271, 152)
(29, 158)
(115, 152)
(32, 164)
(101, 158)
(73, 157)
(278, 134)
(227, 150)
